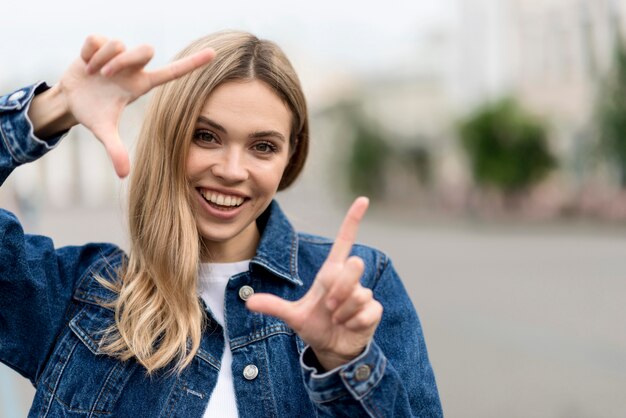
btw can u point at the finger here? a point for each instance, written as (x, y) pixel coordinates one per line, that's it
(348, 230)
(135, 58)
(116, 150)
(352, 305)
(91, 45)
(268, 304)
(367, 318)
(345, 281)
(119, 157)
(104, 54)
(180, 67)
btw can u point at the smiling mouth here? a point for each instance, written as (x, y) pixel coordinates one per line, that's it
(221, 201)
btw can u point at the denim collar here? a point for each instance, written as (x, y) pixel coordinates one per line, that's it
(277, 253)
(278, 249)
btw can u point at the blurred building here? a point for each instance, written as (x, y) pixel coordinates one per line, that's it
(551, 54)
(565, 51)
(76, 174)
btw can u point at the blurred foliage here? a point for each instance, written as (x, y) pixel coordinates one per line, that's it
(373, 156)
(367, 159)
(507, 148)
(420, 162)
(610, 113)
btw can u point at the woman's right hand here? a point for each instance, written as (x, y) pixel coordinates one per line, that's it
(97, 87)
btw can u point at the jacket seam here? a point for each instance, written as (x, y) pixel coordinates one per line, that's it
(69, 311)
(113, 375)
(371, 408)
(342, 394)
(260, 335)
(294, 257)
(270, 400)
(208, 358)
(173, 397)
(381, 265)
(105, 390)
(82, 299)
(315, 240)
(95, 268)
(82, 335)
(8, 147)
(53, 389)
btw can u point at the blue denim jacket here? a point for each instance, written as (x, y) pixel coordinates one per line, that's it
(51, 323)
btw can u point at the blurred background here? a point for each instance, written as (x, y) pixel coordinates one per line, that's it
(490, 135)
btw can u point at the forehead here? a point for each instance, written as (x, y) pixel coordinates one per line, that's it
(247, 105)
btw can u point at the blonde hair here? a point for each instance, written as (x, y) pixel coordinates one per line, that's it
(158, 317)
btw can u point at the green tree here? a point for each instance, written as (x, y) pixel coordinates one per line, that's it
(611, 113)
(507, 148)
(367, 159)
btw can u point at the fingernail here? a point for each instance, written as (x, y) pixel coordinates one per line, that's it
(105, 71)
(331, 304)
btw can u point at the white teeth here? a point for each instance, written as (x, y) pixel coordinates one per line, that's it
(221, 199)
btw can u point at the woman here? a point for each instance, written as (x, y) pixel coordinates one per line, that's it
(287, 324)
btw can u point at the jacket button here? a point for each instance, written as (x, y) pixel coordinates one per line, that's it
(245, 292)
(250, 372)
(362, 373)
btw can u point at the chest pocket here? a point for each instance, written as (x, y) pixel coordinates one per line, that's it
(83, 378)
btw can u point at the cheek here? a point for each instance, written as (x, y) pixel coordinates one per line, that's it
(192, 164)
(268, 178)
(279, 171)
(284, 168)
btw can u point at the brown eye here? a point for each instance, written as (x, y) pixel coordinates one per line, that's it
(204, 136)
(265, 147)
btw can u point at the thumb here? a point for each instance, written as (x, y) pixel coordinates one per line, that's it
(112, 142)
(271, 305)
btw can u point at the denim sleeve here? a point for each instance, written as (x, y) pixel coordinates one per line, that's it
(18, 143)
(36, 280)
(392, 377)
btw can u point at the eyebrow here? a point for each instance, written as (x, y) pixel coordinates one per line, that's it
(253, 135)
(212, 124)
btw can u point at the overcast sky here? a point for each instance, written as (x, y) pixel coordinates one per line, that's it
(41, 37)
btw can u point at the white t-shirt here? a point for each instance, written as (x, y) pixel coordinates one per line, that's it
(212, 281)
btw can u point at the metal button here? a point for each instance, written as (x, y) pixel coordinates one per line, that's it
(362, 372)
(16, 96)
(250, 372)
(245, 292)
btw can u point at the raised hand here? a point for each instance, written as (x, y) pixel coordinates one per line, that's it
(337, 317)
(97, 87)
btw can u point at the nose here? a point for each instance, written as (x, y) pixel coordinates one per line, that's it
(230, 166)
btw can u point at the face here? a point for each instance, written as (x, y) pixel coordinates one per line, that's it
(238, 154)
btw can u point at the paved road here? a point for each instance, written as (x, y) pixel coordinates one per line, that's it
(520, 321)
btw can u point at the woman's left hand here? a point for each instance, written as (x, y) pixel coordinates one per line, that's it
(337, 317)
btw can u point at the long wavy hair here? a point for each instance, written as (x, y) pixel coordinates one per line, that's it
(158, 316)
